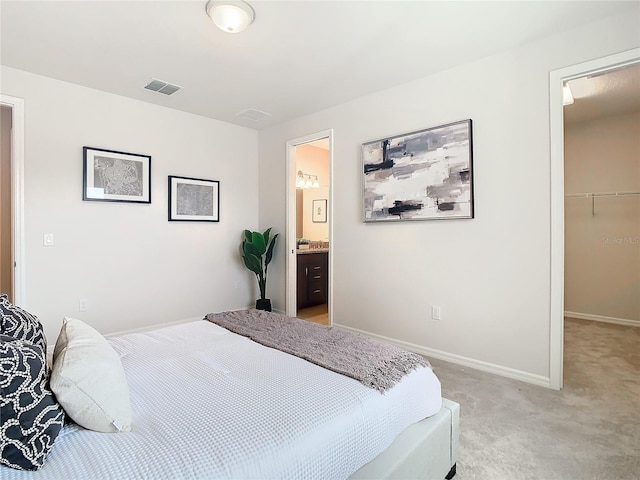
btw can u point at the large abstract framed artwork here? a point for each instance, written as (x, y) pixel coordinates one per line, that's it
(110, 176)
(423, 175)
(194, 199)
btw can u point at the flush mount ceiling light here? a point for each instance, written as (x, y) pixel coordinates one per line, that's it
(230, 16)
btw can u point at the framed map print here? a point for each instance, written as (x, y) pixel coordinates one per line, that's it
(111, 176)
(194, 199)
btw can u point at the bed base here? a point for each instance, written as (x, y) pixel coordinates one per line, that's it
(427, 450)
(452, 473)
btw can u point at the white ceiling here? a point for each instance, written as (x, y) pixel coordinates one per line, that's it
(298, 57)
(615, 92)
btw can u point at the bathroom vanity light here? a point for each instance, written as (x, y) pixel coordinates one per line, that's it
(306, 181)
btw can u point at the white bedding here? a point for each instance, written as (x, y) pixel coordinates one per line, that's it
(208, 403)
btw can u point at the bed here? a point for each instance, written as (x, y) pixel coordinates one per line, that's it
(210, 403)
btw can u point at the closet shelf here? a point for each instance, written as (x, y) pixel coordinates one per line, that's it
(601, 194)
(595, 195)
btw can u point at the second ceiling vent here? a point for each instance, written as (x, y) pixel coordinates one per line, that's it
(161, 86)
(253, 114)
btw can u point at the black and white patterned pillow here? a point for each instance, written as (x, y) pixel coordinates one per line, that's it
(18, 323)
(30, 416)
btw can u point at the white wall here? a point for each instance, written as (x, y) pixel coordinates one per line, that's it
(490, 275)
(602, 248)
(313, 161)
(135, 268)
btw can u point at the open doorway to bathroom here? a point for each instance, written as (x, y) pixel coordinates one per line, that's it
(12, 198)
(6, 229)
(309, 228)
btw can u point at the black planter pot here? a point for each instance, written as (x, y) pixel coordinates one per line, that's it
(263, 304)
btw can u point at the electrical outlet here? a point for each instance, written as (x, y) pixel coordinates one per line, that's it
(47, 239)
(435, 312)
(237, 285)
(83, 305)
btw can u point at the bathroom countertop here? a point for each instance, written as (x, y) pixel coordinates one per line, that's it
(312, 250)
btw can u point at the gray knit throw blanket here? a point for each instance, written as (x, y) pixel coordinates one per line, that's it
(375, 364)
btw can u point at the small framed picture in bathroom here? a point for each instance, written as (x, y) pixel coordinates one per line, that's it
(319, 211)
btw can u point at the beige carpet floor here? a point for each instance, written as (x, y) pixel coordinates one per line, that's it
(590, 430)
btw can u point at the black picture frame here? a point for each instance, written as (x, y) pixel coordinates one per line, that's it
(114, 176)
(193, 199)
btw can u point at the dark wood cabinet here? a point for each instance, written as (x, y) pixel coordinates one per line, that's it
(313, 279)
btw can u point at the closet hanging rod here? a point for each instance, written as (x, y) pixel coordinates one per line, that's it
(601, 194)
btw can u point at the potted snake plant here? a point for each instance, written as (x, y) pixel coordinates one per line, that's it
(257, 252)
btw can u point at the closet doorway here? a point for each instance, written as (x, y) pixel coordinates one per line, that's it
(602, 197)
(309, 227)
(12, 198)
(592, 145)
(602, 234)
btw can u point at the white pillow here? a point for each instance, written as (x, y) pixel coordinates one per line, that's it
(88, 379)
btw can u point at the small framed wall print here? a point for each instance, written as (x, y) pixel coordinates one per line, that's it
(194, 199)
(111, 176)
(319, 211)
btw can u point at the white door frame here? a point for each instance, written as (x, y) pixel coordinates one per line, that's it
(556, 125)
(291, 285)
(17, 195)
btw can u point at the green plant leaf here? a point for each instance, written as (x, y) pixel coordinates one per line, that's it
(266, 235)
(257, 239)
(270, 250)
(251, 249)
(253, 263)
(247, 235)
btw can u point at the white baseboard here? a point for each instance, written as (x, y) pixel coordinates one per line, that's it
(51, 345)
(166, 324)
(155, 326)
(600, 318)
(460, 360)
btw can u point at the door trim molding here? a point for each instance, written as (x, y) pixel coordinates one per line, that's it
(290, 264)
(556, 144)
(17, 196)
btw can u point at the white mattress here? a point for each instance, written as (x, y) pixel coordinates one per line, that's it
(208, 403)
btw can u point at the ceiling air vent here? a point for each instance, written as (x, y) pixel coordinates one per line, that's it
(161, 86)
(253, 114)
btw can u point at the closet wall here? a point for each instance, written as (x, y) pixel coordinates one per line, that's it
(602, 234)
